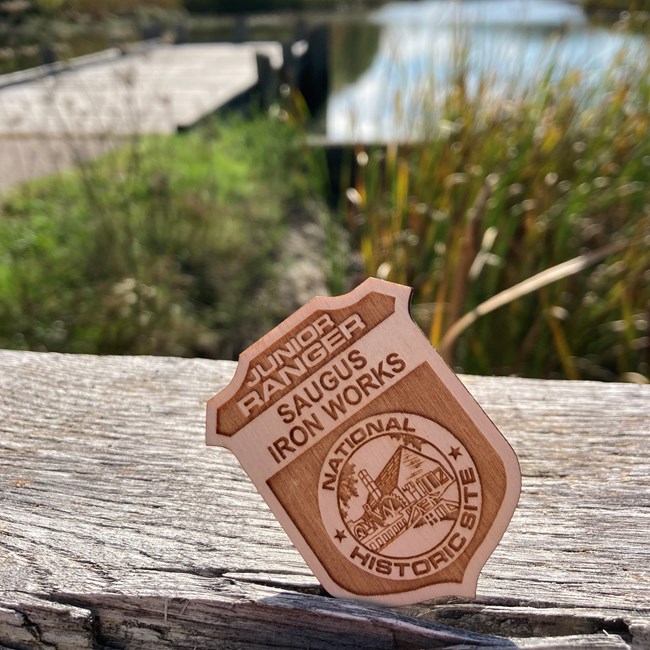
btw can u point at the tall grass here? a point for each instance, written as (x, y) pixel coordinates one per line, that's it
(169, 245)
(521, 219)
(503, 188)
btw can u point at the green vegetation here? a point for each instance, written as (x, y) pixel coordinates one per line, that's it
(174, 245)
(612, 8)
(34, 32)
(266, 6)
(502, 191)
(167, 246)
(44, 31)
(523, 224)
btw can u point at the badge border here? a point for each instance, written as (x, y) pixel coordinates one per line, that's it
(402, 294)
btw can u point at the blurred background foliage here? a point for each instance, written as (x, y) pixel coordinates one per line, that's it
(176, 245)
(169, 245)
(502, 191)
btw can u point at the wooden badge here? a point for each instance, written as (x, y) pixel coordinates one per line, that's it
(386, 474)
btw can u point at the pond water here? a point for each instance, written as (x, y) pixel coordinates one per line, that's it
(415, 47)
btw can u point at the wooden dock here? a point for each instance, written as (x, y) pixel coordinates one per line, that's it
(157, 90)
(119, 528)
(55, 116)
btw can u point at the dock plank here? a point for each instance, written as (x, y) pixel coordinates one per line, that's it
(157, 90)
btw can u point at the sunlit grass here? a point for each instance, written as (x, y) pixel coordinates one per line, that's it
(169, 245)
(502, 188)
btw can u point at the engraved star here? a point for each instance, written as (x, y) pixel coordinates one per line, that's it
(340, 535)
(455, 452)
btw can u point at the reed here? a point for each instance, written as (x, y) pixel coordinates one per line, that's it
(522, 221)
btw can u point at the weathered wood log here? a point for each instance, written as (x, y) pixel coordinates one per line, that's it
(119, 528)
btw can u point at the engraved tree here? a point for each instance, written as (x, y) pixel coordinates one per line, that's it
(347, 487)
(408, 439)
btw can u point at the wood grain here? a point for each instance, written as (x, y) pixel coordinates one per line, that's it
(385, 473)
(118, 528)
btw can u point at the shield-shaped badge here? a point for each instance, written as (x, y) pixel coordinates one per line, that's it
(385, 473)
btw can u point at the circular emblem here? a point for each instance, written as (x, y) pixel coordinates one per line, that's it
(400, 496)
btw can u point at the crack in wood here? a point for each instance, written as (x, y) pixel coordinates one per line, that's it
(529, 622)
(32, 629)
(480, 619)
(285, 579)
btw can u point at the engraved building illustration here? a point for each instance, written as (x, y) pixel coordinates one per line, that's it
(409, 492)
